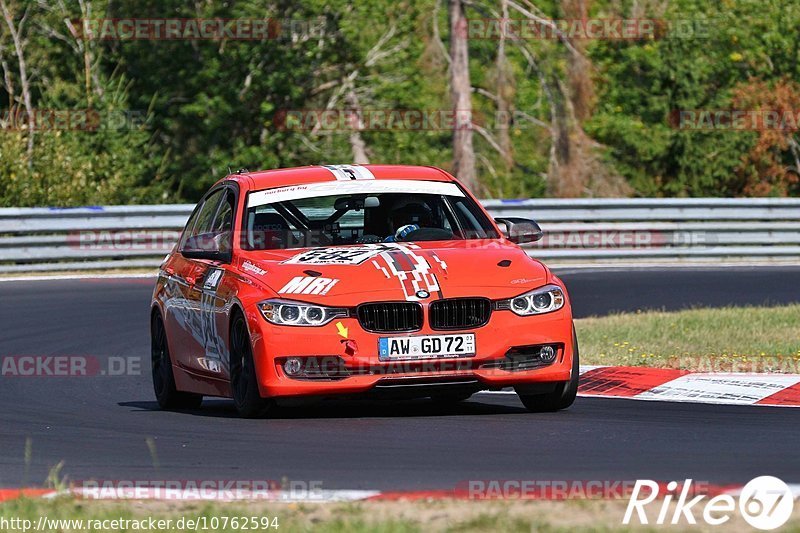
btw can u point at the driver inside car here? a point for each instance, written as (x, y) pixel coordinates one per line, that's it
(408, 217)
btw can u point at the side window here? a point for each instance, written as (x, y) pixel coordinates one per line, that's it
(472, 220)
(223, 224)
(205, 219)
(224, 219)
(200, 221)
(190, 224)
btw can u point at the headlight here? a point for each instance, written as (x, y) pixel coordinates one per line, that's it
(536, 302)
(286, 313)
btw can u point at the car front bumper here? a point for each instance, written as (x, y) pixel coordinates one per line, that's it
(364, 372)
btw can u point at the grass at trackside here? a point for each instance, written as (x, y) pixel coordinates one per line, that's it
(400, 517)
(757, 339)
(381, 517)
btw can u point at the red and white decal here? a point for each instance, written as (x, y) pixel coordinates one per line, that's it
(350, 172)
(439, 261)
(381, 268)
(402, 261)
(308, 285)
(413, 271)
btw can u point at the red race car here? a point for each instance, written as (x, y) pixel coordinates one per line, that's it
(346, 280)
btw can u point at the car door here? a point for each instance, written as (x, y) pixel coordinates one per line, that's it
(188, 277)
(213, 301)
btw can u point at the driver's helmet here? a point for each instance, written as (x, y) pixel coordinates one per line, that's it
(411, 211)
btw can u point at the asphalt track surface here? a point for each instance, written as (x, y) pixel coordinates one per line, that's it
(99, 426)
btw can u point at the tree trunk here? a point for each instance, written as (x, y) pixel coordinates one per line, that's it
(357, 143)
(504, 91)
(461, 94)
(19, 48)
(579, 69)
(87, 56)
(561, 173)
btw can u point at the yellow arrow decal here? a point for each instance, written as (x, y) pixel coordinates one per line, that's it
(342, 330)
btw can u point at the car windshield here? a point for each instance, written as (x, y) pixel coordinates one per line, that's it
(330, 214)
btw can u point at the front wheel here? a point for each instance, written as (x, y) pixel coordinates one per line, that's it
(564, 394)
(244, 380)
(167, 395)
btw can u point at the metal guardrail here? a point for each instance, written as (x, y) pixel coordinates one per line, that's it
(576, 231)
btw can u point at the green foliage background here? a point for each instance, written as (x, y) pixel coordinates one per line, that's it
(206, 106)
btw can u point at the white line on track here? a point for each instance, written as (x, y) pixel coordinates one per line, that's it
(60, 277)
(278, 496)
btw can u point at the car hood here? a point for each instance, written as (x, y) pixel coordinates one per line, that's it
(348, 275)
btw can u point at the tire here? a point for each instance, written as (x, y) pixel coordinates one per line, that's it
(167, 395)
(450, 398)
(565, 393)
(244, 380)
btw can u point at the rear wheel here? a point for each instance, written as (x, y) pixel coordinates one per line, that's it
(244, 380)
(564, 394)
(163, 379)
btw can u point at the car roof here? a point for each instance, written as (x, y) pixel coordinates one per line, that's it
(267, 179)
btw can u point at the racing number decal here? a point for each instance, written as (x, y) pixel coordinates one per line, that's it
(350, 172)
(352, 255)
(212, 280)
(208, 310)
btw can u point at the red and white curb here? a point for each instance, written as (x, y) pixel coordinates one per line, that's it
(671, 385)
(160, 494)
(556, 491)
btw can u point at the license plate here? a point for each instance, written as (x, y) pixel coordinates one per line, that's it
(426, 346)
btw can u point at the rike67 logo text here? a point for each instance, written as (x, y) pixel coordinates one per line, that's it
(765, 503)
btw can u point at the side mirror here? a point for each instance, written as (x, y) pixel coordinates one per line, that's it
(520, 230)
(208, 246)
